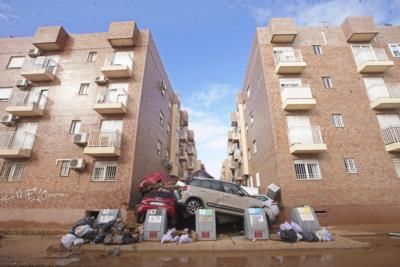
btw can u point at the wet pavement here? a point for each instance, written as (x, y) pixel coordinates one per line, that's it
(45, 251)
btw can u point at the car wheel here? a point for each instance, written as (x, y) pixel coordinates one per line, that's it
(192, 205)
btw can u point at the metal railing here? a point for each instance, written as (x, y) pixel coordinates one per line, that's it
(282, 56)
(107, 97)
(374, 54)
(41, 63)
(119, 60)
(391, 134)
(183, 134)
(301, 92)
(305, 135)
(379, 90)
(28, 99)
(17, 140)
(105, 139)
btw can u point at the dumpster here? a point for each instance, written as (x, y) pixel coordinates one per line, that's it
(108, 215)
(306, 218)
(155, 224)
(255, 224)
(205, 224)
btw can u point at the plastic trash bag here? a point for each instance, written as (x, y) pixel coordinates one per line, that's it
(324, 235)
(82, 230)
(68, 240)
(185, 239)
(167, 237)
(309, 236)
(296, 227)
(288, 236)
(285, 226)
(79, 241)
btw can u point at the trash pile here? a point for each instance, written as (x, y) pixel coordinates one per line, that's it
(292, 232)
(108, 228)
(177, 236)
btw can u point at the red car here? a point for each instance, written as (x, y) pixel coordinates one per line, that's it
(156, 179)
(158, 199)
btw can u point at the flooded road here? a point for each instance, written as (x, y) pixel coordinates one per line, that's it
(28, 251)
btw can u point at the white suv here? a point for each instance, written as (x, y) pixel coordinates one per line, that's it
(226, 198)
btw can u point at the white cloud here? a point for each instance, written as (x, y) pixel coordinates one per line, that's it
(7, 14)
(308, 12)
(210, 127)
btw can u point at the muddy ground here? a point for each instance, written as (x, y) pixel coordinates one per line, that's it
(45, 251)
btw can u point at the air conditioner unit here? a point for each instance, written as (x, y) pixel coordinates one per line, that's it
(22, 84)
(8, 119)
(81, 139)
(34, 52)
(101, 80)
(167, 163)
(77, 164)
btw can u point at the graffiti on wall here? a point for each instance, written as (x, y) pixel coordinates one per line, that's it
(34, 194)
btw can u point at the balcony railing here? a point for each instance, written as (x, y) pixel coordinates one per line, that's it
(288, 56)
(118, 60)
(40, 69)
(105, 139)
(376, 54)
(28, 99)
(305, 135)
(118, 66)
(391, 134)
(17, 140)
(302, 92)
(383, 90)
(108, 97)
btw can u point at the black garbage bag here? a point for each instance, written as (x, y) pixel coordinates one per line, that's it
(127, 238)
(91, 236)
(99, 239)
(288, 236)
(309, 236)
(88, 220)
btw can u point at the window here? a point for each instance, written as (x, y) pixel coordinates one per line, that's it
(396, 162)
(168, 129)
(159, 147)
(327, 81)
(75, 127)
(11, 171)
(254, 147)
(251, 118)
(248, 153)
(16, 62)
(246, 127)
(169, 105)
(5, 93)
(231, 189)
(83, 89)
(258, 179)
(350, 165)
(92, 56)
(307, 169)
(64, 171)
(248, 91)
(317, 49)
(337, 120)
(104, 171)
(167, 154)
(161, 118)
(251, 181)
(395, 48)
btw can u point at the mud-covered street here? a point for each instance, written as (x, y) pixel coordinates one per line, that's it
(45, 251)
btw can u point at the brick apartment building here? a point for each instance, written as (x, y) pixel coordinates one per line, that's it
(84, 117)
(318, 115)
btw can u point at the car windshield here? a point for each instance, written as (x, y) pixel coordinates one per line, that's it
(162, 194)
(244, 192)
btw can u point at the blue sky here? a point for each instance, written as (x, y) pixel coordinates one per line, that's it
(204, 44)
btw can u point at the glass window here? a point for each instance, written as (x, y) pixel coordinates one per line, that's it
(168, 129)
(159, 147)
(16, 62)
(5, 93)
(104, 171)
(337, 120)
(395, 48)
(75, 127)
(92, 56)
(251, 118)
(254, 147)
(11, 171)
(350, 165)
(327, 81)
(307, 169)
(231, 189)
(64, 171)
(317, 49)
(248, 91)
(396, 162)
(161, 115)
(258, 182)
(84, 88)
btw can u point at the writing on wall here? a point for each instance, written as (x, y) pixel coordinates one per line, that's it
(34, 194)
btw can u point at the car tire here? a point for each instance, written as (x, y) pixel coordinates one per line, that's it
(192, 205)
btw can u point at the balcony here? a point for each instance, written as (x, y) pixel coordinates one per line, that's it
(16, 144)
(191, 150)
(305, 139)
(234, 119)
(41, 69)
(117, 66)
(111, 102)
(289, 62)
(384, 95)
(26, 104)
(297, 98)
(237, 156)
(190, 135)
(391, 138)
(104, 144)
(183, 155)
(372, 60)
(233, 136)
(183, 135)
(191, 165)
